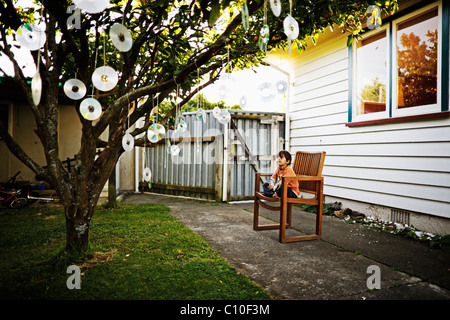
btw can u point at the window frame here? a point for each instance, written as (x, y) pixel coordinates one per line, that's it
(393, 114)
(374, 115)
(424, 109)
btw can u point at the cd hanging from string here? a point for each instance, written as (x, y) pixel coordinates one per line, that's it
(36, 88)
(201, 115)
(181, 124)
(105, 78)
(266, 90)
(31, 37)
(243, 102)
(121, 37)
(291, 27)
(128, 142)
(281, 86)
(275, 5)
(156, 132)
(216, 112)
(174, 150)
(90, 109)
(245, 16)
(74, 89)
(92, 6)
(147, 174)
(224, 116)
(264, 37)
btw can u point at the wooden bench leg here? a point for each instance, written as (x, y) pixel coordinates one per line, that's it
(255, 214)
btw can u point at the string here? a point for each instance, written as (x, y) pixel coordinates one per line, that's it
(95, 67)
(104, 49)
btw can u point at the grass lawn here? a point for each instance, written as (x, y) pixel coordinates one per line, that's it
(136, 252)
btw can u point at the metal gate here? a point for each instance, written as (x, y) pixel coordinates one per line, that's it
(216, 161)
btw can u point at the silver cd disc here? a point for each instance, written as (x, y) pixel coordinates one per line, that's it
(174, 150)
(74, 89)
(266, 91)
(182, 125)
(264, 34)
(90, 109)
(291, 27)
(120, 37)
(243, 102)
(147, 174)
(30, 36)
(281, 86)
(275, 5)
(127, 142)
(216, 112)
(92, 6)
(201, 115)
(245, 16)
(36, 88)
(224, 116)
(105, 78)
(156, 132)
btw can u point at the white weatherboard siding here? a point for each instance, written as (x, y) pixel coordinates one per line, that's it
(399, 165)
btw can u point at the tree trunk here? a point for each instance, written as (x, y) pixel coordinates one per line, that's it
(77, 226)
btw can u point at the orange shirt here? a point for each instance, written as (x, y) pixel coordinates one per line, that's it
(287, 172)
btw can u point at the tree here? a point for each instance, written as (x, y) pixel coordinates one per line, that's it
(174, 44)
(417, 70)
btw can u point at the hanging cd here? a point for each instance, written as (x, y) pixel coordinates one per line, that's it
(156, 132)
(281, 86)
(128, 142)
(182, 125)
(121, 37)
(291, 27)
(224, 116)
(201, 115)
(245, 16)
(74, 89)
(105, 78)
(275, 5)
(92, 6)
(90, 109)
(31, 37)
(174, 150)
(243, 102)
(266, 91)
(264, 37)
(216, 112)
(147, 174)
(36, 88)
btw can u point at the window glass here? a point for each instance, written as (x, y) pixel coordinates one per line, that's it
(371, 77)
(417, 53)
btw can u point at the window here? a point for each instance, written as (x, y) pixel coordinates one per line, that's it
(397, 69)
(372, 74)
(416, 61)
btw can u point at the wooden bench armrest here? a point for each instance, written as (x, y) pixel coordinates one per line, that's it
(263, 174)
(303, 178)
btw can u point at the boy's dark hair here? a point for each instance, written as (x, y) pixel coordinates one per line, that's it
(285, 154)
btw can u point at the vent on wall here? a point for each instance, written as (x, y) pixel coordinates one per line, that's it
(400, 216)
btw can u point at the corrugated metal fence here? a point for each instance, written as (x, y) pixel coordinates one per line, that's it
(216, 161)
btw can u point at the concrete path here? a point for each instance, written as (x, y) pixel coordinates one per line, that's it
(336, 267)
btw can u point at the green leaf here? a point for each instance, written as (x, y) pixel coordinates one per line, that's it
(214, 14)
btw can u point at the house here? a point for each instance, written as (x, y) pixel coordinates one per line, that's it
(380, 110)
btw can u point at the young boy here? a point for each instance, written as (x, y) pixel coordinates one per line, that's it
(273, 188)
